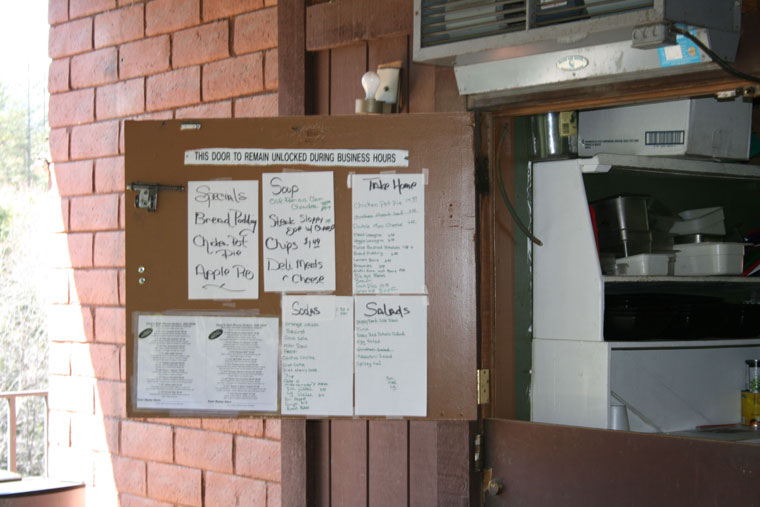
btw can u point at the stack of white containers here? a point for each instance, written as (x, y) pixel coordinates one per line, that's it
(699, 248)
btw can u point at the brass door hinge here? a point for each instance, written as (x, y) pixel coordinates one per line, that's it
(484, 387)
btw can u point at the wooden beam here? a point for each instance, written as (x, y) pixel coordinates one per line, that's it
(343, 22)
(293, 464)
(291, 56)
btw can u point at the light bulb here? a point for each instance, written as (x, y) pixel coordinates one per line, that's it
(370, 83)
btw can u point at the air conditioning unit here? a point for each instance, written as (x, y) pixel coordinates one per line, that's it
(502, 47)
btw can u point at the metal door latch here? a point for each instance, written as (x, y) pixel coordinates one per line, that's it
(147, 193)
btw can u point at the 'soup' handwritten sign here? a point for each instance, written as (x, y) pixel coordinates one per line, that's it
(299, 231)
(223, 239)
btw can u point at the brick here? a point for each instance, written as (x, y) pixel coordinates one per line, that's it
(58, 141)
(257, 458)
(110, 324)
(59, 428)
(120, 99)
(71, 108)
(122, 25)
(222, 489)
(215, 9)
(162, 16)
(71, 250)
(58, 286)
(272, 429)
(72, 394)
(274, 495)
(144, 57)
(128, 500)
(59, 358)
(97, 360)
(255, 31)
(96, 286)
(271, 70)
(58, 77)
(174, 89)
(146, 441)
(122, 211)
(270, 3)
(110, 398)
(174, 483)
(258, 106)
(123, 363)
(95, 140)
(109, 174)
(70, 323)
(201, 44)
(73, 178)
(203, 449)
(70, 38)
(79, 8)
(129, 475)
(249, 427)
(95, 433)
(221, 109)
(233, 77)
(70, 464)
(94, 212)
(95, 68)
(58, 11)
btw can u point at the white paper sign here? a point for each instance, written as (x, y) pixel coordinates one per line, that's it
(388, 233)
(390, 355)
(296, 156)
(207, 363)
(299, 231)
(317, 355)
(223, 239)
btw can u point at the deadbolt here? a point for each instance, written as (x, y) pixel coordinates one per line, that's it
(495, 486)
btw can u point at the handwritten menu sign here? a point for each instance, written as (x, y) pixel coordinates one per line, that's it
(223, 240)
(317, 355)
(390, 357)
(299, 231)
(207, 362)
(388, 233)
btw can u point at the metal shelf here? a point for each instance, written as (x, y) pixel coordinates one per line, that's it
(670, 165)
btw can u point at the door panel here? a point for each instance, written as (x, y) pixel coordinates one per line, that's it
(545, 464)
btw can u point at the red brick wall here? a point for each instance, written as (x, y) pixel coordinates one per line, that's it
(123, 59)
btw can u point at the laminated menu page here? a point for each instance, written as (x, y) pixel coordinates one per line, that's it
(390, 357)
(299, 231)
(317, 355)
(223, 239)
(388, 233)
(213, 363)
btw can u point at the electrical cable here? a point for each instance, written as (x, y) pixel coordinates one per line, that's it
(504, 195)
(715, 57)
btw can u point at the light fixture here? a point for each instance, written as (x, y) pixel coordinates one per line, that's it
(380, 89)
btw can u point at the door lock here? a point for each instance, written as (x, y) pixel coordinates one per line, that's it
(495, 486)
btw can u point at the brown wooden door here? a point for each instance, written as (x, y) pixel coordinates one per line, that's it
(545, 464)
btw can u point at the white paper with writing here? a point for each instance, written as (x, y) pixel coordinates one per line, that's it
(299, 231)
(317, 355)
(388, 223)
(390, 334)
(223, 239)
(207, 363)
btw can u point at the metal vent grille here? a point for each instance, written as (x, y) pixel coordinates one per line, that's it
(445, 21)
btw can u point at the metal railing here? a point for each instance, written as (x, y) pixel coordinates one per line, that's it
(11, 397)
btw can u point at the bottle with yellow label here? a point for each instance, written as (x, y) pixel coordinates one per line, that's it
(751, 395)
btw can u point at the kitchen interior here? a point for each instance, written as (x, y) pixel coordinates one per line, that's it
(641, 229)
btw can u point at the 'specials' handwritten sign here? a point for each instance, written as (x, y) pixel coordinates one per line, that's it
(317, 349)
(223, 239)
(390, 358)
(299, 231)
(388, 233)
